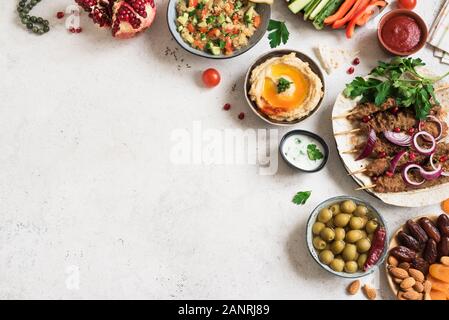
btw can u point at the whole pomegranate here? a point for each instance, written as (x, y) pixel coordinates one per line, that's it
(126, 18)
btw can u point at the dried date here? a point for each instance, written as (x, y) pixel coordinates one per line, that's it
(421, 265)
(408, 241)
(443, 247)
(430, 228)
(443, 224)
(403, 254)
(430, 253)
(417, 232)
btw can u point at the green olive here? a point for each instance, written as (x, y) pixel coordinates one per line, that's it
(349, 252)
(361, 211)
(341, 220)
(337, 265)
(348, 206)
(337, 246)
(356, 223)
(364, 234)
(335, 209)
(327, 234)
(363, 245)
(339, 234)
(326, 257)
(317, 227)
(371, 226)
(353, 236)
(351, 267)
(370, 236)
(319, 243)
(361, 260)
(325, 215)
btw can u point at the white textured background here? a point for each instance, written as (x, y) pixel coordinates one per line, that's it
(86, 181)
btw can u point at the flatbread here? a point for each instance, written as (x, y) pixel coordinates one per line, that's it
(415, 198)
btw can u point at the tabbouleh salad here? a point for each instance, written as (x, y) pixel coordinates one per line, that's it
(217, 26)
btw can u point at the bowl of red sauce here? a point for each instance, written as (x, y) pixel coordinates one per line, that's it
(402, 32)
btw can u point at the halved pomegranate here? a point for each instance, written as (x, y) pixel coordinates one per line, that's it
(125, 17)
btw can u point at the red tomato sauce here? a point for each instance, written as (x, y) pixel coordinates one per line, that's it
(401, 33)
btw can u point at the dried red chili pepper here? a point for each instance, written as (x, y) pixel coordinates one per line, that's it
(377, 247)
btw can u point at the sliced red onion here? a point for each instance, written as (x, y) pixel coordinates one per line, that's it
(443, 173)
(438, 122)
(431, 175)
(406, 177)
(396, 159)
(422, 150)
(369, 146)
(398, 138)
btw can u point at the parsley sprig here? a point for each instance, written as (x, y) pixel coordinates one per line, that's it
(301, 197)
(314, 153)
(283, 85)
(278, 33)
(398, 79)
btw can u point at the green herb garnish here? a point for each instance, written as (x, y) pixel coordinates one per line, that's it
(283, 85)
(278, 33)
(399, 79)
(301, 197)
(314, 153)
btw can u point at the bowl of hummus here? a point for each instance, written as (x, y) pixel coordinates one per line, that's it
(284, 87)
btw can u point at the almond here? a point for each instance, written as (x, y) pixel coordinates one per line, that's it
(397, 280)
(370, 292)
(416, 274)
(353, 287)
(392, 261)
(412, 295)
(445, 261)
(399, 273)
(401, 295)
(427, 286)
(427, 296)
(419, 287)
(404, 265)
(408, 283)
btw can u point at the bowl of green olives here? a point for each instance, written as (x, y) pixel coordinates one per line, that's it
(347, 237)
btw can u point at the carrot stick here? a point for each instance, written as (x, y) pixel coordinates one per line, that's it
(344, 8)
(341, 22)
(370, 11)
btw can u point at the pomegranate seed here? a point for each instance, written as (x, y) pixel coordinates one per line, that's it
(366, 119)
(397, 129)
(375, 178)
(395, 110)
(382, 154)
(411, 131)
(72, 30)
(389, 174)
(79, 30)
(227, 106)
(241, 115)
(60, 15)
(350, 70)
(412, 156)
(443, 158)
(356, 61)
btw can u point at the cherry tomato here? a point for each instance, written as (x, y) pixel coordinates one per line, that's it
(407, 4)
(211, 77)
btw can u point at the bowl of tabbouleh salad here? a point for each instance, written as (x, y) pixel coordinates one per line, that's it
(217, 29)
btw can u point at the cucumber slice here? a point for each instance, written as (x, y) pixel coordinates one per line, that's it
(329, 10)
(310, 7)
(298, 5)
(318, 9)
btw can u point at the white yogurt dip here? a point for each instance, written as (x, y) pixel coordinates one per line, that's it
(303, 151)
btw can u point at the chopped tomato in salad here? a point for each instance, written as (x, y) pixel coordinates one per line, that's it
(219, 27)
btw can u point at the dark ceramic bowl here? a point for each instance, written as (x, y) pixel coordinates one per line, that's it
(403, 12)
(310, 134)
(279, 53)
(264, 11)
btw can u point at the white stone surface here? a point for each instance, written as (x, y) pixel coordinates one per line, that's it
(87, 187)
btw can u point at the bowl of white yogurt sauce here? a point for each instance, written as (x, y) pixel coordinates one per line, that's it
(304, 150)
